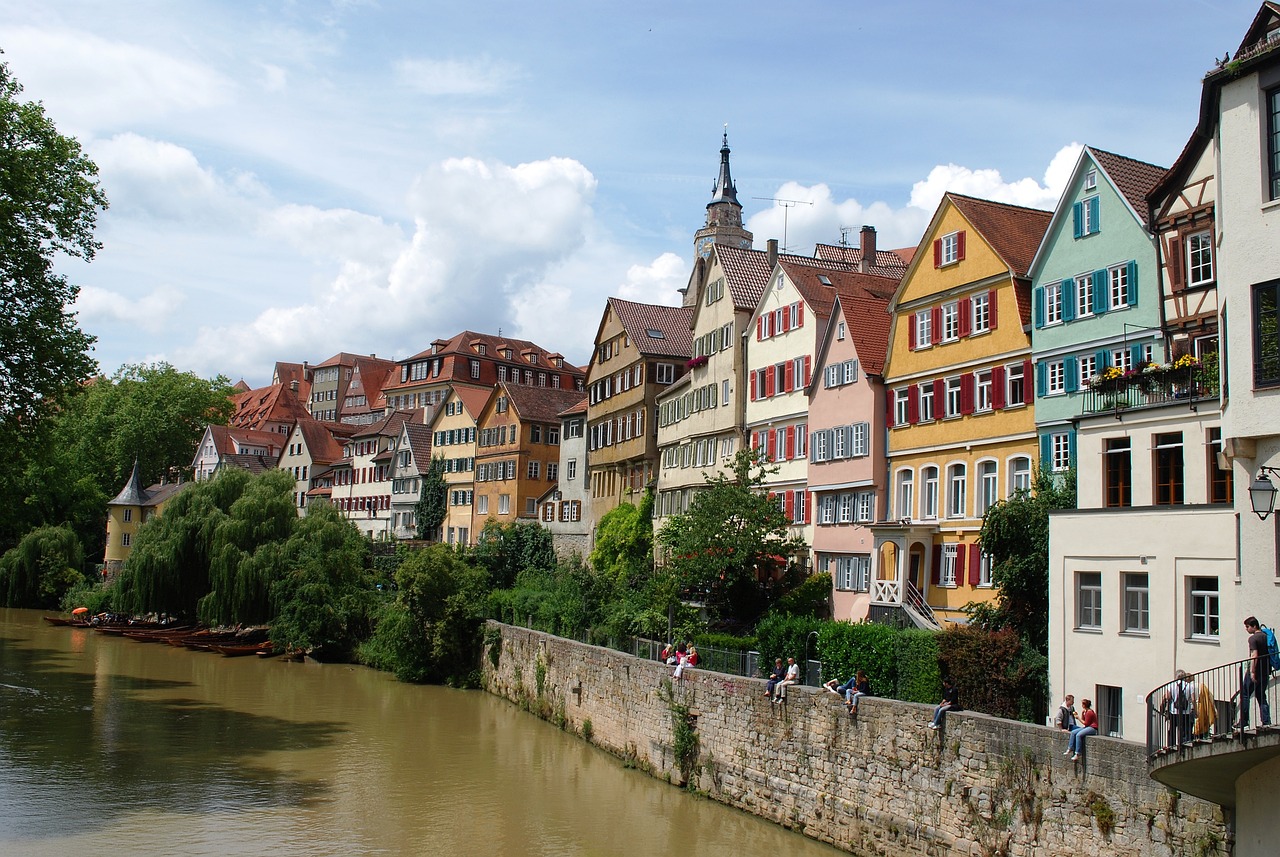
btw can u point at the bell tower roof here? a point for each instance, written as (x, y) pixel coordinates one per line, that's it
(723, 190)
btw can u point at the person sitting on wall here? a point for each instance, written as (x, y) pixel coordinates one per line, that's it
(778, 674)
(950, 702)
(861, 687)
(792, 677)
(841, 689)
(1065, 719)
(1088, 726)
(690, 659)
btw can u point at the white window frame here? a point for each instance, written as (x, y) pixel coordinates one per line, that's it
(982, 385)
(925, 402)
(1019, 474)
(929, 480)
(1118, 287)
(1053, 303)
(980, 312)
(988, 486)
(950, 321)
(1137, 602)
(957, 490)
(1088, 367)
(1084, 295)
(1089, 600)
(1055, 378)
(905, 508)
(924, 328)
(1060, 449)
(1204, 605)
(1199, 258)
(665, 373)
(950, 249)
(947, 574)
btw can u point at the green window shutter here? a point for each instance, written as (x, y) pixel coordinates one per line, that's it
(1046, 452)
(1038, 303)
(1094, 222)
(1101, 285)
(1042, 378)
(1133, 284)
(1068, 299)
(1077, 219)
(1071, 373)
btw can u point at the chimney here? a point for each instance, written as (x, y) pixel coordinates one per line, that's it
(772, 245)
(868, 243)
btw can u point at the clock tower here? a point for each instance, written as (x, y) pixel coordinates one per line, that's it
(724, 212)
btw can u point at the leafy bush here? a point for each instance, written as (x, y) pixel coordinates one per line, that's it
(811, 598)
(989, 669)
(728, 642)
(43, 566)
(845, 648)
(785, 637)
(919, 676)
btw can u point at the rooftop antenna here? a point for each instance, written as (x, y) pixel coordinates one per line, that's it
(844, 235)
(787, 205)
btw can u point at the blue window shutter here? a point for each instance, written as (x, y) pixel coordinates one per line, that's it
(1038, 303)
(1133, 284)
(1071, 371)
(1104, 359)
(1042, 378)
(1077, 219)
(1046, 452)
(1136, 352)
(1068, 299)
(1071, 448)
(1093, 215)
(1100, 287)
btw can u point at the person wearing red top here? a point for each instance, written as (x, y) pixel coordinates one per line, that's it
(1088, 726)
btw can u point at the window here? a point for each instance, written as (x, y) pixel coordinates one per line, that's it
(666, 373)
(864, 507)
(1085, 217)
(950, 322)
(1019, 474)
(1200, 258)
(534, 468)
(948, 575)
(1060, 451)
(571, 469)
(924, 328)
(905, 507)
(1117, 472)
(1084, 295)
(475, 368)
(1273, 141)
(844, 508)
(1091, 180)
(482, 504)
(1055, 378)
(950, 249)
(925, 398)
(1053, 303)
(988, 487)
(900, 407)
(953, 397)
(125, 539)
(1137, 603)
(929, 497)
(1219, 480)
(1266, 326)
(984, 569)
(980, 307)
(1110, 710)
(128, 515)
(504, 504)
(956, 485)
(1089, 600)
(1088, 366)
(1202, 601)
(840, 332)
(1167, 468)
(1119, 289)
(853, 573)
(1015, 382)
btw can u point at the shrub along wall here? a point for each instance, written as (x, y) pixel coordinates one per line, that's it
(881, 783)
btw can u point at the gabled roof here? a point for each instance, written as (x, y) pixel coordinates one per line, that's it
(226, 437)
(576, 409)
(655, 330)
(419, 437)
(466, 341)
(472, 398)
(747, 271)
(540, 404)
(1133, 179)
(390, 425)
(321, 443)
(273, 404)
(342, 358)
(1012, 231)
(888, 263)
(867, 318)
(818, 286)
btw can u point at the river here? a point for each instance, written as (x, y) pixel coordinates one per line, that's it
(147, 749)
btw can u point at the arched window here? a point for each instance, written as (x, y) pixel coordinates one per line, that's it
(957, 483)
(929, 492)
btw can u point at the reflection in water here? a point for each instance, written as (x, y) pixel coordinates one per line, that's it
(163, 750)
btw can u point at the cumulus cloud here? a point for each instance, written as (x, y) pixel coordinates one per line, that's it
(87, 81)
(481, 76)
(153, 312)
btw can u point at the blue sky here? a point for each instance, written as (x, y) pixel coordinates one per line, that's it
(292, 179)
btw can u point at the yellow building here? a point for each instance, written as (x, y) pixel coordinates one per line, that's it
(127, 512)
(961, 426)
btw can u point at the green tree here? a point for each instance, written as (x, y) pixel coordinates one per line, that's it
(432, 501)
(443, 598)
(624, 541)
(1015, 534)
(733, 543)
(49, 203)
(43, 566)
(505, 550)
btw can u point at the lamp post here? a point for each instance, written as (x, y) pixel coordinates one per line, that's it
(1262, 493)
(806, 654)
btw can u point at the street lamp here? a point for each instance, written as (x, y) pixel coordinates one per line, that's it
(806, 654)
(1262, 493)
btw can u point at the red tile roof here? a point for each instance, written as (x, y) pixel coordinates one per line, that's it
(889, 263)
(540, 404)
(821, 296)
(574, 410)
(273, 404)
(455, 354)
(1134, 179)
(419, 437)
(866, 314)
(1012, 231)
(321, 443)
(473, 398)
(655, 330)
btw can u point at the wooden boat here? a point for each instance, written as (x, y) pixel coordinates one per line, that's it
(240, 650)
(62, 621)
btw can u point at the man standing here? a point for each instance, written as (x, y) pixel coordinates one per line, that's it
(1257, 672)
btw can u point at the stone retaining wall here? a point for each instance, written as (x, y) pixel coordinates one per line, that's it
(879, 784)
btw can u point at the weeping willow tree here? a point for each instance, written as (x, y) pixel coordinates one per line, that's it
(248, 551)
(326, 598)
(168, 570)
(44, 565)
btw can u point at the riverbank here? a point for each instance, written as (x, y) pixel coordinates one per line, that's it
(879, 784)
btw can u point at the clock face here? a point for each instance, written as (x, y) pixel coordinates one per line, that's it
(704, 246)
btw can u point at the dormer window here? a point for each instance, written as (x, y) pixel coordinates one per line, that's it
(533, 358)
(480, 348)
(1091, 180)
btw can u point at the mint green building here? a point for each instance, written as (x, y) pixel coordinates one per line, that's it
(1095, 296)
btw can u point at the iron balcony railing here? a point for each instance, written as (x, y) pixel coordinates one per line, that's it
(1189, 386)
(1208, 709)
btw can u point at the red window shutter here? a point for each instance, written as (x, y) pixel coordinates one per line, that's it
(937, 324)
(997, 387)
(768, 382)
(975, 564)
(939, 398)
(753, 385)
(786, 320)
(1028, 380)
(960, 245)
(913, 404)
(755, 440)
(964, 317)
(771, 443)
(966, 393)
(788, 375)
(937, 252)
(890, 409)
(911, 332)
(992, 303)
(800, 314)
(1174, 261)
(759, 328)
(937, 565)
(789, 504)
(791, 442)
(960, 552)
(806, 370)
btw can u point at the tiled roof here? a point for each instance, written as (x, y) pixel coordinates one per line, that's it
(888, 263)
(473, 398)
(342, 358)
(540, 404)
(671, 323)
(1012, 231)
(463, 342)
(1134, 179)
(747, 273)
(419, 437)
(251, 463)
(273, 404)
(390, 425)
(865, 301)
(224, 435)
(821, 296)
(321, 443)
(575, 409)
(286, 372)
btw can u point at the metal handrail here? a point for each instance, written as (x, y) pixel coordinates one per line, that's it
(914, 599)
(1187, 386)
(1212, 711)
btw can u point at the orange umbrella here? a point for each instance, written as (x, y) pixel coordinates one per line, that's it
(79, 610)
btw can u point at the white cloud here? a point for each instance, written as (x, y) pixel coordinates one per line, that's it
(482, 76)
(152, 313)
(87, 81)
(989, 184)
(656, 283)
(274, 78)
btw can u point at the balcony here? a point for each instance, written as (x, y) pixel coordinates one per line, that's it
(1200, 748)
(1155, 386)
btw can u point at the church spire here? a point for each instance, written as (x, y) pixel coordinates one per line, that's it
(724, 190)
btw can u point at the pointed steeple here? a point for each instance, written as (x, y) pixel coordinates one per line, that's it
(132, 494)
(724, 190)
